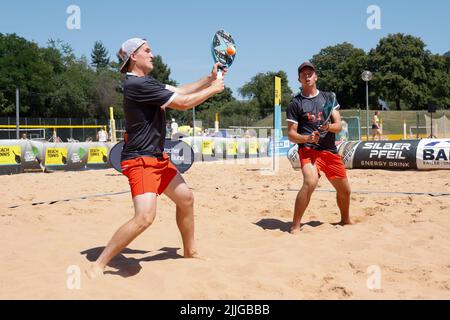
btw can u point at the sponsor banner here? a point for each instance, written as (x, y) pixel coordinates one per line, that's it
(179, 152)
(97, 155)
(253, 147)
(23, 155)
(433, 154)
(263, 145)
(399, 154)
(347, 152)
(241, 146)
(56, 157)
(294, 158)
(207, 147)
(32, 154)
(10, 155)
(219, 147)
(196, 145)
(38, 150)
(231, 147)
(282, 147)
(77, 154)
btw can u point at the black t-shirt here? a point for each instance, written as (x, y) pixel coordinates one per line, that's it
(144, 102)
(308, 114)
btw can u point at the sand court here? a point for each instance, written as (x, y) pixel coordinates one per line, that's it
(398, 248)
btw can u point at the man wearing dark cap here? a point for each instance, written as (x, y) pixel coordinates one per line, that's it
(143, 161)
(316, 142)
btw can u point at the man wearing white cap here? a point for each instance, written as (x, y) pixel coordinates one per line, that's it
(143, 161)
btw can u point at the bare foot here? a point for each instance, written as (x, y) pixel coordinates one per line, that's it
(195, 255)
(94, 271)
(295, 230)
(344, 222)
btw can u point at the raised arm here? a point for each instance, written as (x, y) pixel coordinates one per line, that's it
(191, 100)
(197, 85)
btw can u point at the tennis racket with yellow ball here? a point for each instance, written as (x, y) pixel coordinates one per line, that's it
(223, 49)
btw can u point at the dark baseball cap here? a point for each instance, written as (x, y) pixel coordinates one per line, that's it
(306, 64)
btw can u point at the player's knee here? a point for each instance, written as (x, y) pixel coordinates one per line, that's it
(145, 220)
(188, 199)
(310, 184)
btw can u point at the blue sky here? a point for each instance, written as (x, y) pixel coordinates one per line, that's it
(270, 35)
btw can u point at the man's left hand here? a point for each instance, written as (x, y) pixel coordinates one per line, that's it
(214, 71)
(324, 126)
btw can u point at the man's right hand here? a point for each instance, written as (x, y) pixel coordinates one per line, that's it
(314, 137)
(215, 68)
(218, 85)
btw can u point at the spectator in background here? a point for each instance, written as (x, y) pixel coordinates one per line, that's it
(102, 135)
(376, 129)
(168, 130)
(343, 135)
(173, 127)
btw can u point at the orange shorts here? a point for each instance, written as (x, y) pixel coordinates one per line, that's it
(147, 174)
(325, 161)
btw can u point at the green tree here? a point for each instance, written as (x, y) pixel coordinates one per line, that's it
(60, 54)
(99, 56)
(217, 100)
(339, 69)
(239, 113)
(261, 88)
(161, 71)
(399, 66)
(23, 66)
(6, 107)
(74, 92)
(105, 94)
(438, 69)
(206, 112)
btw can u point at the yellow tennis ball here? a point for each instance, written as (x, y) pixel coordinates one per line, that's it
(231, 50)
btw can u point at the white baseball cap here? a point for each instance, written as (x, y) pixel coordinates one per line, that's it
(128, 47)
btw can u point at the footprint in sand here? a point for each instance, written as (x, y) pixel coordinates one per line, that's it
(371, 211)
(343, 292)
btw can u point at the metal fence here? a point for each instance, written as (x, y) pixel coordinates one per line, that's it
(66, 129)
(397, 123)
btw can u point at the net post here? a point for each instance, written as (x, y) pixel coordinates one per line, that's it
(276, 120)
(112, 125)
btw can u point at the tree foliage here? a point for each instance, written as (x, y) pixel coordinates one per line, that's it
(53, 82)
(161, 71)
(399, 65)
(99, 56)
(23, 66)
(438, 71)
(261, 89)
(339, 68)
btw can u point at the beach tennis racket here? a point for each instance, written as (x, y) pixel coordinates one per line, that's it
(223, 50)
(328, 108)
